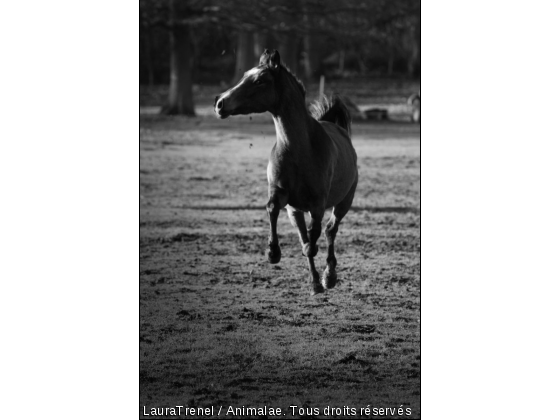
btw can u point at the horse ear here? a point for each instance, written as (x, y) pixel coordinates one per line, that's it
(264, 57)
(274, 59)
(271, 59)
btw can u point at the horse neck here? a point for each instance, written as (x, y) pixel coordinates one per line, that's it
(292, 121)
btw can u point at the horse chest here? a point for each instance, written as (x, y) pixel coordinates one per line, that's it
(304, 184)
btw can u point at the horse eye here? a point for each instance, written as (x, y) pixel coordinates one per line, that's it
(257, 82)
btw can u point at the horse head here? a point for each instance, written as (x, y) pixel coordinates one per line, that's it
(256, 92)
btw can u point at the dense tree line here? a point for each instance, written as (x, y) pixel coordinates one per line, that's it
(214, 41)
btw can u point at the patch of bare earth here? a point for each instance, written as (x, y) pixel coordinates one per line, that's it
(219, 326)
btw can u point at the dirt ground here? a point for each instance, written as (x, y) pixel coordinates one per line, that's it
(220, 327)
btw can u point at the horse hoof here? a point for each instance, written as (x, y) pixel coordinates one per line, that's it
(317, 288)
(274, 255)
(329, 279)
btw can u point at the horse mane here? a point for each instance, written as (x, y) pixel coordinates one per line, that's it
(332, 110)
(299, 83)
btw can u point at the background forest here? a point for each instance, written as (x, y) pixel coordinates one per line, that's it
(188, 44)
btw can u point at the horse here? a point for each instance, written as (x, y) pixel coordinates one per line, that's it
(312, 165)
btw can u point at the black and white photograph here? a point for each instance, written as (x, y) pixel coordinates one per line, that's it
(280, 209)
(241, 209)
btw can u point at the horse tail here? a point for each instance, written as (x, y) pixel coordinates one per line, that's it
(333, 110)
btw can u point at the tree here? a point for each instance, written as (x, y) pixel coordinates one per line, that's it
(245, 53)
(179, 18)
(365, 34)
(311, 58)
(180, 88)
(180, 100)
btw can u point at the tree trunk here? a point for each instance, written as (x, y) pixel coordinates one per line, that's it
(182, 60)
(362, 64)
(259, 41)
(390, 62)
(149, 60)
(245, 54)
(341, 59)
(288, 50)
(312, 60)
(415, 50)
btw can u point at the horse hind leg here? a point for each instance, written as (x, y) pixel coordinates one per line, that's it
(310, 250)
(339, 211)
(329, 275)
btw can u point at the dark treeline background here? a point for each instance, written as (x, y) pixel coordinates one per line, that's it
(211, 42)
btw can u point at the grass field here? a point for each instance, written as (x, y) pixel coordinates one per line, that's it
(219, 326)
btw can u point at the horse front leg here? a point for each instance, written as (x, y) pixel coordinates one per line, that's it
(278, 199)
(310, 250)
(298, 221)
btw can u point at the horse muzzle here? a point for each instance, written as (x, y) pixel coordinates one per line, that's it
(219, 110)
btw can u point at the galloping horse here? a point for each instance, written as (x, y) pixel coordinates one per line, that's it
(312, 166)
